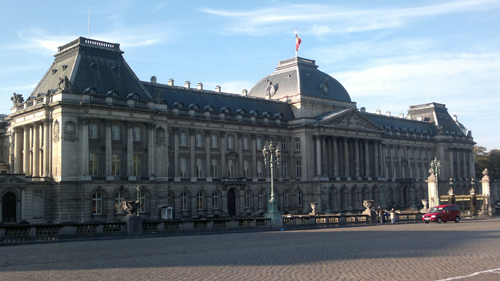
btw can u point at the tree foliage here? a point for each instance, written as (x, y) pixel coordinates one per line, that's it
(490, 160)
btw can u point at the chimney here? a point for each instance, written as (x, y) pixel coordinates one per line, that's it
(363, 109)
(187, 84)
(388, 113)
(245, 93)
(217, 88)
(200, 86)
(171, 82)
(153, 79)
(378, 112)
(455, 118)
(401, 115)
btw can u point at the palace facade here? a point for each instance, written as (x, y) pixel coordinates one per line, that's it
(91, 135)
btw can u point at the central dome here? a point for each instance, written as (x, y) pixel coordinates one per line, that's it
(299, 76)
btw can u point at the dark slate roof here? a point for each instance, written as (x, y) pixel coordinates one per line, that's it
(204, 98)
(300, 76)
(91, 64)
(401, 124)
(437, 114)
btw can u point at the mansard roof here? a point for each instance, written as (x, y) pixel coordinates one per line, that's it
(204, 98)
(91, 65)
(299, 76)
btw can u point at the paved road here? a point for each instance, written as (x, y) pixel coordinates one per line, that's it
(380, 252)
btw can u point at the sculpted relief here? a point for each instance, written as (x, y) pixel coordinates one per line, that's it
(352, 121)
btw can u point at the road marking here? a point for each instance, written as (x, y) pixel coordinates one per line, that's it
(471, 275)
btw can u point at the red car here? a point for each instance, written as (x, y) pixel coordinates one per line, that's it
(442, 213)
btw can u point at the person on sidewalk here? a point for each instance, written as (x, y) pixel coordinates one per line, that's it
(393, 216)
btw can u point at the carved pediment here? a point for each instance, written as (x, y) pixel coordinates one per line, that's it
(12, 180)
(351, 120)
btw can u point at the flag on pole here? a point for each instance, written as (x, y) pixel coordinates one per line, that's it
(297, 41)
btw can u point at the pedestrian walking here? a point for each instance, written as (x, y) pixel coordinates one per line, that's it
(380, 213)
(393, 216)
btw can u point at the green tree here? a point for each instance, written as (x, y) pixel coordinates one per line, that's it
(490, 160)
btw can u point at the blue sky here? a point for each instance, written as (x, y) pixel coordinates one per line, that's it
(387, 54)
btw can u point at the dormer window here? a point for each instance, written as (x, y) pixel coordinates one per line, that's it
(209, 108)
(241, 111)
(194, 106)
(278, 116)
(112, 93)
(254, 113)
(225, 109)
(91, 91)
(178, 104)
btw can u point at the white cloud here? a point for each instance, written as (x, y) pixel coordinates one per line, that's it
(265, 20)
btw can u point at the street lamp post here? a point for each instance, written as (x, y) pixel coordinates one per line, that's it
(274, 158)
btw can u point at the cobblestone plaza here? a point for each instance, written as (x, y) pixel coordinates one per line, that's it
(379, 252)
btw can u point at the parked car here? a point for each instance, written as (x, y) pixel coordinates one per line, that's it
(442, 213)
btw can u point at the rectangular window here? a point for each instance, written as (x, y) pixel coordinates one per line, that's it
(115, 132)
(137, 134)
(115, 165)
(298, 169)
(248, 199)
(285, 198)
(97, 203)
(246, 143)
(215, 141)
(246, 168)
(169, 165)
(169, 138)
(137, 166)
(93, 131)
(261, 199)
(230, 142)
(199, 140)
(297, 144)
(230, 168)
(183, 167)
(200, 201)
(259, 144)
(119, 198)
(283, 145)
(183, 139)
(199, 168)
(284, 170)
(259, 169)
(142, 202)
(215, 200)
(215, 168)
(93, 164)
(184, 201)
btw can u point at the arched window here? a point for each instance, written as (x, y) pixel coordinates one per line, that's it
(300, 199)
(184, 201)
(119, 198)
(215, 200)
(170, 199)
(199, 140)
(215, 141)
(97, 203)
(143, 201)
(200, 200)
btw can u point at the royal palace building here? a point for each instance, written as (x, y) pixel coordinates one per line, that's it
(92, 135)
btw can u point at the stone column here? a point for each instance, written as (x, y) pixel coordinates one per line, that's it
(223, 147)
(192, 155)
(382, 160)
(108, 148)
(391, 156)
(452, 164)
(318, 155)
(36, 149)
(464, 155)
(177, 176)
(130, 149)
(356, 157)
(18, 161)
(239, 143)
(377, 158)
(46, 147)
(367, 159)
(151, 149)
(346, 158)
(399, 150)
(324, 164)
(27, 150)
(85, 146)
(208, 172)
(253, 149)
(335, 158)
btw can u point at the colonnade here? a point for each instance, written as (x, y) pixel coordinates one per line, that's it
(108, 149)
(348, 157)
(32, 148)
